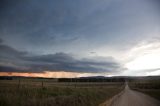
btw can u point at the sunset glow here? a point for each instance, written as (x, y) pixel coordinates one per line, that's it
(46, 74)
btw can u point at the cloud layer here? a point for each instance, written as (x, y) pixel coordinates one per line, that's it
(79, 36)
(12, 60)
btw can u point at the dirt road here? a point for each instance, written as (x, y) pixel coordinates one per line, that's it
(134, 98)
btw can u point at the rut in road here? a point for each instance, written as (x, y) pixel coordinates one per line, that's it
(134, 98)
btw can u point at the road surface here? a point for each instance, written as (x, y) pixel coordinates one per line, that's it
(134, 98)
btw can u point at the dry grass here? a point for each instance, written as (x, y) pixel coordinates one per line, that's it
(150, 87)
(32, 93)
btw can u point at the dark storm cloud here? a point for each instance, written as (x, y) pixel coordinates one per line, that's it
(65, 25)
(9, 53)
(1, 40)
(48, 29)
(12, 60)
(11, 69)
(62, 61)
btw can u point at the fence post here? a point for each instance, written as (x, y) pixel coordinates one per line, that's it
(42, 84)
(19, 82)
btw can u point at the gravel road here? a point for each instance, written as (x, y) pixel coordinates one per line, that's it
(134, 98)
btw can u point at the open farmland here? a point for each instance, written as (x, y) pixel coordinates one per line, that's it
(50, 92)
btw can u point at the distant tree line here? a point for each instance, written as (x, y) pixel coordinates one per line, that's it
(91, 80)
(5, 78)
(105, 79)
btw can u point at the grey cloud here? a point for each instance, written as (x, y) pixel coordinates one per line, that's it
(1, 40)
(62, 61)
(11, 69)
(8, 52)
(17, 61)
(33, 25)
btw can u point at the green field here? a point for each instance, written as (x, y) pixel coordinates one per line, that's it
(48, 92)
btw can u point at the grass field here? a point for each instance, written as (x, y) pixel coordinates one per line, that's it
(150, 87)
(41, 92)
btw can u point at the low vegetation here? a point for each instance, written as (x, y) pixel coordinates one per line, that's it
(147, 86)
(40, 92)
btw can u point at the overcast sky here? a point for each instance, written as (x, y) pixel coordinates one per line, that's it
(90, 37)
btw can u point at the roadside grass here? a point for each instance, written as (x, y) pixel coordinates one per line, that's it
(57, 94)
(152, 92)
(151, 88)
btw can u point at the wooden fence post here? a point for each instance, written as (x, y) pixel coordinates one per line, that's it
(19, 82)
(42, 84)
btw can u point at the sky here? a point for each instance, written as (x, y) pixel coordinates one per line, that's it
(77, 38)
